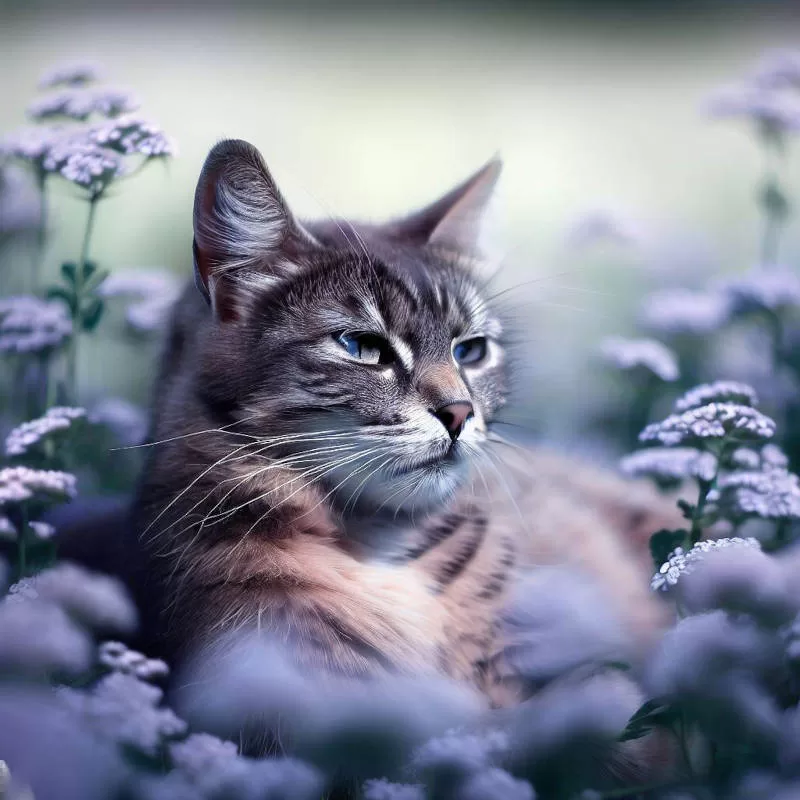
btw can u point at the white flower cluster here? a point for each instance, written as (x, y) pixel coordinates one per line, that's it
(81, 161)
(670, 464)
(25, 436)
(677, 311)
(132, 134)
(711, 421)
(777, 111)
(73, 73)
(80, 104)
(8, 531)
(156, 292)
(717, 392)
(31, 325)
(778, 69)
(770, 493)
(118, 658)
(600, 225)
(30, 143)
(18, 484)
(681, 563)
(20, 209)
(127, 421)
(764, 288)
(647, 354)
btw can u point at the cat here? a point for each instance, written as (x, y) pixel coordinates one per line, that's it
(324, 465)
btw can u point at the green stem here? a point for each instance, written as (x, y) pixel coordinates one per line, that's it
(72, 352)
(41, 235)
(774, 216)
(22, 546)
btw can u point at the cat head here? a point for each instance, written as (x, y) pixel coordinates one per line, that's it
(364, 356)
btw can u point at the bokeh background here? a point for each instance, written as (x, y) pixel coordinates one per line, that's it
(367, 110)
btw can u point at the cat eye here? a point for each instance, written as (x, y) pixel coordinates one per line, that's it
(470, 351)
(367, 347)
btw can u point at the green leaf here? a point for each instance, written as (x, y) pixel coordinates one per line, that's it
(687, 508)
(775, 201)
(663, 542)
(652, 714)
(69, 270)
(93, 313)
(89, 268)
(64, 294)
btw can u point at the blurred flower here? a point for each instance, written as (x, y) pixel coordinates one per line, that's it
(381, 789)
(20, 209)
(126, 710)
(31, 325)
(670, 465)
(496, 784)
(745, 458)
(25, 436)
(775, 111)
(676, 311)
(780, 68)
(126, 420)
(42, 530)
(155, 291)
(79, 160)
(763, 289)
(38, 639)
(22, 483)
(117, 657)
(8, 531)
(81, 103)
(96, 601)
(73, 73)
(130, 135)
(717, 392)
(31, 143)
(600, 225)
(629, 354)
(712, 421)
(681, 563)
(770, 494)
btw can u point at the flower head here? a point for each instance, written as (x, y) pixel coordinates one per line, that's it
(26, 436)
(31, 143)
(79, 160)
(717, 392)
(678, 311)
(131, 135)
(8, 531)
(680, 562)
(647, 354)
(670, 465)
(20, 209)
(155, 292)
(770, 494)
(42, 530)
(117, 657)
(711, 421)
(18, 484)
(601, 225)
(778, 69)
(80, 104)
(763, 289)
(776, 112)
(73, 73)
(381, 789)
(31, 325)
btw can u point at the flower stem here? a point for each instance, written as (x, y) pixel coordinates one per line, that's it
(41, 235)
(72, 352)
(773, 200)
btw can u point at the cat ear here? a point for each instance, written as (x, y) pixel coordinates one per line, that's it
(458, 220)
(242, 225)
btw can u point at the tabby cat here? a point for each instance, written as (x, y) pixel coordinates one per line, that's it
(326, 467)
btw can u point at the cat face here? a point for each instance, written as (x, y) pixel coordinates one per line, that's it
(365, 356)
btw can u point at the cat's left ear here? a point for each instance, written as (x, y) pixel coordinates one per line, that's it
(460, 220)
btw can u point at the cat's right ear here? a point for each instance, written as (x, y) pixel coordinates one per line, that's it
(243, 228)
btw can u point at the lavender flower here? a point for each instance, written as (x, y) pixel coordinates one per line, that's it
(381, 789)
(8, 531)
(770, 494)
(717, 392)
(20, 209)
(30, 325)
(84, 163)
(24, 437)
(80, 104)
(670, 465)
(127, 421)
(18, 484)
(745, 458)
(681, 311)
(117, 657)
(774, 111)
(648, 354)
(201, 753)
(31, 143)
(602, 226)
(712, 421)
(772, 457)
(96, 601)
(42, 530)
(125, 709)
(779, 69)
(496, 784)
(681, 563)
(131, 135)
(156, 292)
(39, 639)
(74, 73)
(764, 289)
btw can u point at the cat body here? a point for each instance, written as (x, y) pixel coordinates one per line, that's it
(324, 467)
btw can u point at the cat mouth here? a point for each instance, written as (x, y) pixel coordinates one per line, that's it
(448, 458)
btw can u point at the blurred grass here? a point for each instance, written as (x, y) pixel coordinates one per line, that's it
(369, 113)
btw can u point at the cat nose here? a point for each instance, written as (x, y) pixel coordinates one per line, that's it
(454, 416)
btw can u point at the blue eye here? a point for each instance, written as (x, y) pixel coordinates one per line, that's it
(470, 351)
(366, 347)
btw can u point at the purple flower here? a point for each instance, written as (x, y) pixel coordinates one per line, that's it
(648, 354)
(381, 789)
(775, 111)
(670, 465)
(73, 73)
(18, 484)
(31, 325)
(81, 103)
(778, 69)
(763, 289)
(496, 784)
(600, 225)
(155, 292)
(773, 493)
(20, 209)
(130, 135)
(717, 392)
(24, 437)
(118, 658)
(677, 311)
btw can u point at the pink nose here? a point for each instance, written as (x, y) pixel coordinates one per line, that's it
(454, 416)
